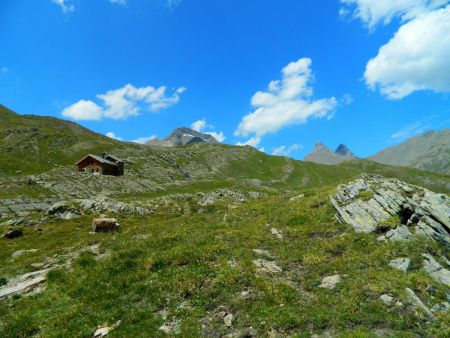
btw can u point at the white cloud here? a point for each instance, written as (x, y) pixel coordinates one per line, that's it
(416, 58)
(83, 110)
(144, 140)
(253, 141)
(201, 126)
(65, 5)
(374, 12)
(114, 136)
(286, 102)
(286, 151)
(219, 136)
(122, 103)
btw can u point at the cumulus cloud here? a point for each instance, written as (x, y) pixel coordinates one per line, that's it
(219, 136)
(65, 5)
(416, 58)
(201, 126)
(122, 103)
(144, 140)
(286, 102)
(286, 151)
(252, 141)
(374, 12)
(114, 136)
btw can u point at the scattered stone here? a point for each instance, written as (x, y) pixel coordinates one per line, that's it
(436, 270)
(104, 224)
(22, 252)
(388, 300)
(264, 253)
(173, 327)
(277, 233)
(441, 307)
(400, 233)
(418, 303)
(401, 264)
(228, 319)
(14, 233)
(103, 331)
(296, 197)
(330, 282)
(267, 266)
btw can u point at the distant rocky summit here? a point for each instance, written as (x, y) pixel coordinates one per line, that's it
(323, 155)
(428, 151)
(182, 137)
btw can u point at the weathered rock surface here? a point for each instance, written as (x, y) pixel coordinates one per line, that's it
(62, 210)
(436, 270)
(330, 282)
(264, 265)
(401, 264)
(412, 297)
(367, 203)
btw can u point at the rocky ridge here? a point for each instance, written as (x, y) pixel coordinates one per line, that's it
(183, 136)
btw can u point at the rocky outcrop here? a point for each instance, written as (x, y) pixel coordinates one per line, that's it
(393, 207)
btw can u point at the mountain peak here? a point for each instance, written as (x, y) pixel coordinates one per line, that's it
(343, 150)
(324, 155)
(183, 136)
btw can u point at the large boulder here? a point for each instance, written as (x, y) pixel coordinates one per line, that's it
(103, 224)
(373, 203)
(62, 210)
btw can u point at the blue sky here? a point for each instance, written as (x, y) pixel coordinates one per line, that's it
(278, 74)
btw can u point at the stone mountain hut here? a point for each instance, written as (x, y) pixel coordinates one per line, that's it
(104, 165)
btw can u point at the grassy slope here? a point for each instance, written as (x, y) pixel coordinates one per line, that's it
(159, 262)
(33, 144)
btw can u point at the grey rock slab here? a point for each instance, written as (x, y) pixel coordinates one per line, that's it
(264, 253)
(401, 264)
(24, 283)
(388, 300)
(267, 266)
(412, 297)
(436, 270)
(400, 233)
(330, 282)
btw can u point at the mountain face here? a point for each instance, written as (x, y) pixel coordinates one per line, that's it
(428, 151)
(323, 155)
(182, 137)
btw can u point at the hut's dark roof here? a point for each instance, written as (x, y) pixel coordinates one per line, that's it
(115, 158)
(97, 158)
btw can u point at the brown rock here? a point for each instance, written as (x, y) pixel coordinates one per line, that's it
(103, 224)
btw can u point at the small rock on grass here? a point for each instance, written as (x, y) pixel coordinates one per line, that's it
(401, 264)
(267, 266)
(22, 252)
(330, 282)
(277, 233)
(13, 233)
